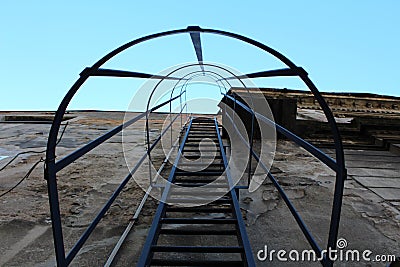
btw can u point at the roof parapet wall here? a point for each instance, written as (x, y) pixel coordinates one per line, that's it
(354, 102)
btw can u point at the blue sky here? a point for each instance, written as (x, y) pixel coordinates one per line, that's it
(345, 46)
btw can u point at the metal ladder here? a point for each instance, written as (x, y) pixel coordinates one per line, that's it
(212, 234)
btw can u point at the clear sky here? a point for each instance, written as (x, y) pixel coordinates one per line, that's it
(345, 46)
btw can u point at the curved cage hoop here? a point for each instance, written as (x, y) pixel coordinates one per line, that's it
(52, 167)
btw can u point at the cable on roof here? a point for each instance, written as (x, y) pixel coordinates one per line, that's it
(33, 166)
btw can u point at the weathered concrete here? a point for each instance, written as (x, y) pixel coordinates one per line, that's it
(83, 187)
(369, 221)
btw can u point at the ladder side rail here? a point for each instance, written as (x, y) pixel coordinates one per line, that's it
(306, 232)
(236, 207)
(83, 238)
(145, 256)
(327, 160)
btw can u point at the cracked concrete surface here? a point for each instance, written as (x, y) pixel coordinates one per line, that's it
(370, 213)
(84, 187)
(369, 220)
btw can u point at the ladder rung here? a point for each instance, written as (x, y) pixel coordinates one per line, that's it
(197, 145)
(204, 128)
(197, 249)
(201, 173)
(197, 193)
(203, 157)
(214, 263)
(203, 133)
(198, 150)
(199, 138)
(195, 148)
(194, 167)
(197, 221)
(188, 180)
(199, 209)
(197, 201)
(200, 164)
(204, 167)
(199, 131)
(197, 232)
(203, 120)
(217, 218)
(200, 124)
(195, 184)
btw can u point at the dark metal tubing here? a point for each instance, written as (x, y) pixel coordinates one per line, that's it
(307, 146)
(285, 60)
(197, 232)
(159, 82)
(188, 80)
(50, 174)
(297, 217)
(190, 65)
(155, 227)
(251, 147)
(288, 203)
(185, 86)
(123, 73)
(341, 173)
(147, 117)
(78, 245)
(197, 221)
(161, 135)
(51, 144)
(198, 249)
(301, 142)
(195, 36)
(83, 150)
(147, 113)
(202, 73)
(270, 73)
(51, 171)
(236, 207)
(199, 210)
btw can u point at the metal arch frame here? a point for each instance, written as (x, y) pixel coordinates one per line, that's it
(186, 83)
(52, 167)
(233, 111)
(185, 86)
(198, 74)
(234, 76)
